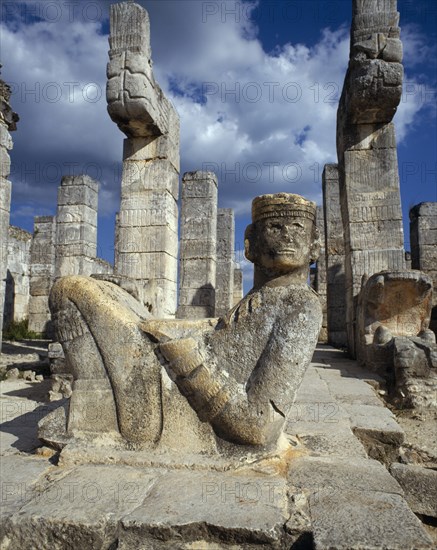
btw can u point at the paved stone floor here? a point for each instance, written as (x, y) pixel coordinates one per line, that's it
(333, 492)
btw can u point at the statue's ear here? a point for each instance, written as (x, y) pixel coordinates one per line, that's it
(316, 246)
(249, 243)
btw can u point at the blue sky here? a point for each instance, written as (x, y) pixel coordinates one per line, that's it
(256, 85)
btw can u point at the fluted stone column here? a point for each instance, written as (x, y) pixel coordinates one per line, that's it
(366, 147)
(224, 295)
(8, 120)
(147, 228)
(334, 252)
(76, 226)
(42, 273)
(198, 256)
(423, 238)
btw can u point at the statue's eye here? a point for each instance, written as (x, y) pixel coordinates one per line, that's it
(276, 226)
(298, 225)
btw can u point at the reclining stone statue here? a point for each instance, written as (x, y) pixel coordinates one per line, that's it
(204, 385)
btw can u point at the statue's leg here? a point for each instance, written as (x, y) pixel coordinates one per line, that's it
(98, 325)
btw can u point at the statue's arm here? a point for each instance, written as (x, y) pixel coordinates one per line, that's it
(254, 414)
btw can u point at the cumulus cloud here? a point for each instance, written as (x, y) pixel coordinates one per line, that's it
(264, 121)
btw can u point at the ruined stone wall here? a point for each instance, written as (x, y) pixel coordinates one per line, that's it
(18, 275)
(198, 257)
(423, 237)
(334, 253)
(42, 272)
(366, 147)
(224, 295)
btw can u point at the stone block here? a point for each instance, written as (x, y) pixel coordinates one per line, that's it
(365, 519)
(5, 163)
(148, 265)
(93, 498)
(420, 487)
(78, 194)
(76, 213)
(147, 239)
(39, 305)
(247, 508)
(5, 138)
(5, 195)
(154, 174)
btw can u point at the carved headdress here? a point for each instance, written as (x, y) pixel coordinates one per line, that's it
(282, 205)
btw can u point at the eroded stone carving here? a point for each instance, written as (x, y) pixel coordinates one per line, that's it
(394, 310)
(196, 386)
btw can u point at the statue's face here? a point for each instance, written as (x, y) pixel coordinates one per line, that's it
(284, 243)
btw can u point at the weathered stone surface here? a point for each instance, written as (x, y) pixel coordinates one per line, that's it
(42, 272)
(240, 508)
(314, 474)
(82, 509)
(198, 258)
(420, 486)
(358, 519)
(225, 257)
(20, 476)
(366, 147)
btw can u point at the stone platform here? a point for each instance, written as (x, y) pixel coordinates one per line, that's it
(333, 492)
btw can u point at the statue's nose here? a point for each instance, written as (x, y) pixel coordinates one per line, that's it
(287, 233)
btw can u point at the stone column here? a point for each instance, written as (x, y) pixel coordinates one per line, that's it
(224, 294)
(238, 284)
(76, 226)
(8, 121)
(147, 228)
(17, 275)
(334, 252)
(320, 283)
(42, 272)
(423, 237)
(366, 147)
(198, 258)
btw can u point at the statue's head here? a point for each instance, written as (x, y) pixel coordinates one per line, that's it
(283, 236)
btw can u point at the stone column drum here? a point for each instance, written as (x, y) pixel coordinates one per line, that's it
(198, 246)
